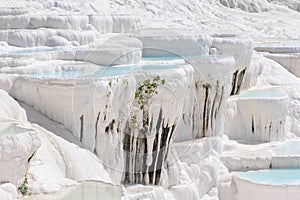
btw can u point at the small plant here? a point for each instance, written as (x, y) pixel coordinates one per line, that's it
(108, 94)
(110, 83)
(133, 121)
(147, 89)
(24, 187)
(125, 82)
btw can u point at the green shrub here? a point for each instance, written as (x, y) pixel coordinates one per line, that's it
(24, 187)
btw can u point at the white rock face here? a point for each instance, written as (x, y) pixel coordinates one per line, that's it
(204, 112)
(247, 5)
(112, 51)
(134, 142)
(279, 48)
(257, 116)
(292, 4)
(115, 23)
(164, 42)
(8, 191)
(238, 157)
(10, 109)
(64, 164)
(18, 145)
(290, 61)
(197, 168)
(241, 48)
(102, 23)
(49, 162)
(40, 37)
(272, 74)
(148, 192)
(125, 23)
(109, 120)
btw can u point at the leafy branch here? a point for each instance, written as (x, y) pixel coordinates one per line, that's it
(24, 187)
(147, 89)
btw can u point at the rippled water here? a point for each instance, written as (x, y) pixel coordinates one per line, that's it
(104, 72)
(273, 176)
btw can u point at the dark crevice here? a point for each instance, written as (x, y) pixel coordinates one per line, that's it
(110, 126)
(205, 108)
(81, 128)
(127, 150)
(240, 81)
(270, 128)
(96, 133)
(213, 106)
(105, 112)
(233, 83)
(29, 159)
(252, 124)
(207, 115)
(138, 146)
(169, 141)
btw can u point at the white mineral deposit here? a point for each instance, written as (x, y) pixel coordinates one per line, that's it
(149, 99)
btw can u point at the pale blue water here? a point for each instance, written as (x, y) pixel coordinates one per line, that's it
(9, 128)
(273, 176)
(105, 72)
(169, 58)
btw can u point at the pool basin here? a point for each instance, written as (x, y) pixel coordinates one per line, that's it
(271, 184)
(104, 71)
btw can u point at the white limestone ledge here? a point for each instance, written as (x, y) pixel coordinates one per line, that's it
(289, 61)
(246, 189)
(257, 115)
(97, 111)
(41, 37)
(241, 157)
(103, 23)
(204, 112)
(10, 109)
(168, 42)
(113, 51)
(241, 48)
(8, 191)
(195, 166)
(18, 145)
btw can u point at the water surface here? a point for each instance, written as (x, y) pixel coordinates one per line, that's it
(272, 176)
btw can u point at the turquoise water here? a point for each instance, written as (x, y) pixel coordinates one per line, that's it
(9, 128)
(169, 58)
(87, 191)
(120, 69)
(105, 72)
(272, 176)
